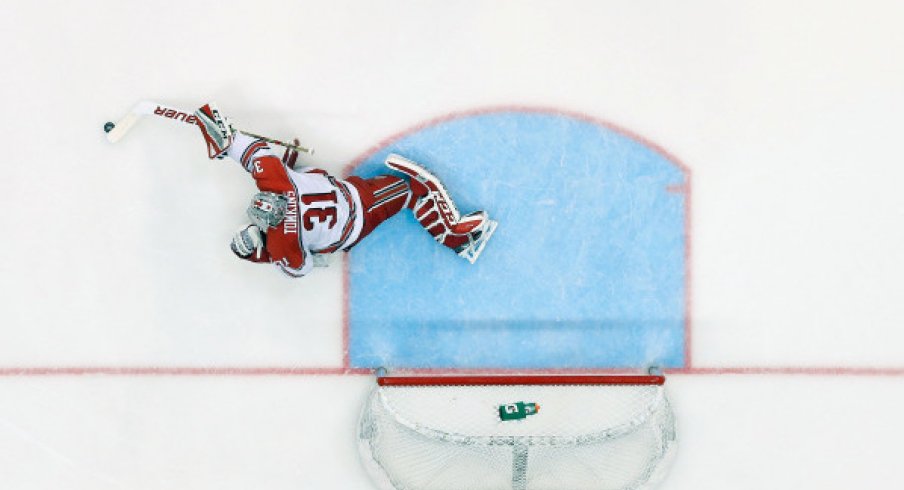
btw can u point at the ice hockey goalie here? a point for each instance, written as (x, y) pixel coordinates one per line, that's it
(302, 212)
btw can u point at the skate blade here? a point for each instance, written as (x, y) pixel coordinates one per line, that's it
(473, 251)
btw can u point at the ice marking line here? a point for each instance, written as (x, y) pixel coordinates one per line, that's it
(338, 371)
(710, 371)
(346, 301)
(178, 371)
(791, 371)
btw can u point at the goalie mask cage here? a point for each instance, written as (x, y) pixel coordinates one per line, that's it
(446, 432)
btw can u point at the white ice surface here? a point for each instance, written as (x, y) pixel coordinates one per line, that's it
(787, 114)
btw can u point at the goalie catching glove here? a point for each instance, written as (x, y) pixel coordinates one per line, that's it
(216, 129)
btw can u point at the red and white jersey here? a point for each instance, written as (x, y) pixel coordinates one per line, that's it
(324, 213)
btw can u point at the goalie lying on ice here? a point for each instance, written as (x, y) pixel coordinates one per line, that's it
(302, 212)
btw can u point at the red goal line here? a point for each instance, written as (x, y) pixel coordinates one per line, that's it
(494, 374)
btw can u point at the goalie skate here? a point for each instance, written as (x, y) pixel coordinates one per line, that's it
(477, 238)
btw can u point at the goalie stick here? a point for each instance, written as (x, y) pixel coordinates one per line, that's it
(116, 131)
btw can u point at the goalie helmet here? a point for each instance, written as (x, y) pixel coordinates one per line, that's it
(268, 209)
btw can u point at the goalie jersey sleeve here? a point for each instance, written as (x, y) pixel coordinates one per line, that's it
(323, 215)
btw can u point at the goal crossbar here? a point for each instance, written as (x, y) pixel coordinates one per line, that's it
(513, 380)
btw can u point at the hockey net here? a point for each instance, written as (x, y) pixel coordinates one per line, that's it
(590, 432)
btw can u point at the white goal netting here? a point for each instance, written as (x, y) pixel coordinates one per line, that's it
(583, 436)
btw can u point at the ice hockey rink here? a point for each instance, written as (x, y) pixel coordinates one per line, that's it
(137, 353)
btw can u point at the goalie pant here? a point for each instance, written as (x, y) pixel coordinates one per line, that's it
(324, 214)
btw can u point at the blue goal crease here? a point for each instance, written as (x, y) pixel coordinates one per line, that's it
(586, 269)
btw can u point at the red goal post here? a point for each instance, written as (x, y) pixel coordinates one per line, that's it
(484, 432)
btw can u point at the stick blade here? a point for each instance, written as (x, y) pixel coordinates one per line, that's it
(123, 125)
